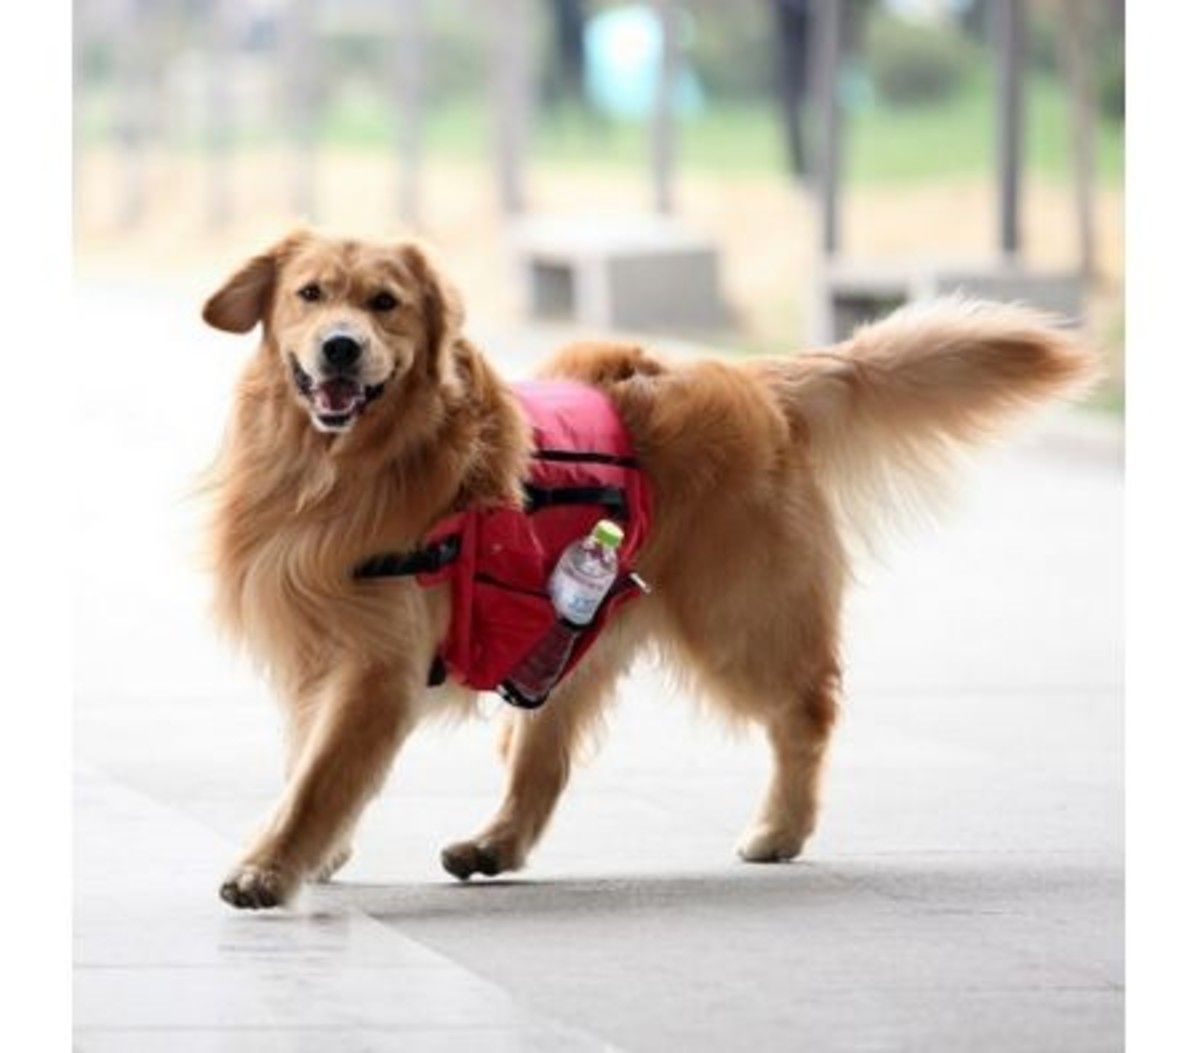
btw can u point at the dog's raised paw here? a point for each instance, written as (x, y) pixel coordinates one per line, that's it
(766, 845)
(254, 887)
(468, 857)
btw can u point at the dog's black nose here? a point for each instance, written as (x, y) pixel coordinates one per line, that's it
(341, 352)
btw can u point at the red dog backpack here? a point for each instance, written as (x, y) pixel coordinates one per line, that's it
(498, 560)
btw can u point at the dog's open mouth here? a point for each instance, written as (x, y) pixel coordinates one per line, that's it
(335, 401)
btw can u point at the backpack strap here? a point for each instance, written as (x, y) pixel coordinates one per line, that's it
(428, 560)
(611, 498)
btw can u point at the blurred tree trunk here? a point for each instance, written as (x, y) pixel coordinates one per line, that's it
(827, 40)
(409, 88)
(793, 22)
(300, 102)
(220, 45)
(1077, 42)
(569, 18)
(81, 36)
(662, 130)
(133, 107)
(512, 94)
(1010, 32)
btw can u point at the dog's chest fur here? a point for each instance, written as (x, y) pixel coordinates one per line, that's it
(296, 512)
(286, 542)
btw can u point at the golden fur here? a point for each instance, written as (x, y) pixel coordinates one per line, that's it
(761, 471)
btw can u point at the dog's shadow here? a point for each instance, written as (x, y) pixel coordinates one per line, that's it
(531, 896)
(939, 885)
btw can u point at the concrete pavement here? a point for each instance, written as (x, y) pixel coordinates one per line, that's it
(963, 891)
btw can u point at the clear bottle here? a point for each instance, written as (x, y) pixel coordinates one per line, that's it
(583, 576)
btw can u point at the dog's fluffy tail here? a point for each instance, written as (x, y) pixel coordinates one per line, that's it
(886, 411)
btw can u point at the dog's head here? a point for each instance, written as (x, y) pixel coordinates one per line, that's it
(347, 319)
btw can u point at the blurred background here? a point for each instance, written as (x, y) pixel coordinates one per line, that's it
(771, 170)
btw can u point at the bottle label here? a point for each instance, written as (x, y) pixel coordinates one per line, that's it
(582, 578)
(575, 600)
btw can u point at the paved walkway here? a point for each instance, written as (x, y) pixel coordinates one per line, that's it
(963, 892)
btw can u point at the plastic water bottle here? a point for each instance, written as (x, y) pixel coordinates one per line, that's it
(584, 574)
(582, 578)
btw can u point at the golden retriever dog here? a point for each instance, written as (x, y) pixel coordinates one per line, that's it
(365, 416)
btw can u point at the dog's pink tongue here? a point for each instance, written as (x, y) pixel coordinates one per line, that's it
(336, 396)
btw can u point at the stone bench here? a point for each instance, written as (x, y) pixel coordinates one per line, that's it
(851, 293)
(620, 272)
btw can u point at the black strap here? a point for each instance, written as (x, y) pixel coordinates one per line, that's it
(433, 557)
(610, 497)
(586, 457)
(426, 560)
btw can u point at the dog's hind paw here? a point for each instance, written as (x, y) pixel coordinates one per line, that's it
(764, 844)
(255, 887)
(469, 857)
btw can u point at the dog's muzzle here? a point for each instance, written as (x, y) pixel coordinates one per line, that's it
(335, 401)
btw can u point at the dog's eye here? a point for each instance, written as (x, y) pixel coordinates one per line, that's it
(382, 301)
(311, 292)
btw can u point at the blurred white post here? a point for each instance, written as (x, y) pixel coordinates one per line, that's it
(512, 30)
(220, 52)
(662, 127)
(1077, 41)
(1009, 26)
(409, 87)
(132, 108)
(300, 90)
(826, 69)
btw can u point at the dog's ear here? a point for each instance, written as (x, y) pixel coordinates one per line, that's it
(241, 303)
(441, 305)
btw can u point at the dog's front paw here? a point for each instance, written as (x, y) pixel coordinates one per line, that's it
(476, 857)
(766, 844)
(254, 886)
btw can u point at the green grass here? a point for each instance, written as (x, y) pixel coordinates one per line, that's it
(884, 144)
(958, 137)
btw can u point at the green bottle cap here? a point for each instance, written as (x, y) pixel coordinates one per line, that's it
(608, 534)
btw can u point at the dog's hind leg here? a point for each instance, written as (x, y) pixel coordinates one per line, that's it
(798, 731)
(539, 747)
(356, 731)
(773, 663)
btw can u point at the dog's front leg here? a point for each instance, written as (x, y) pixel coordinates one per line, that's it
(356, 730)
(300, 711)
(539, 749)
